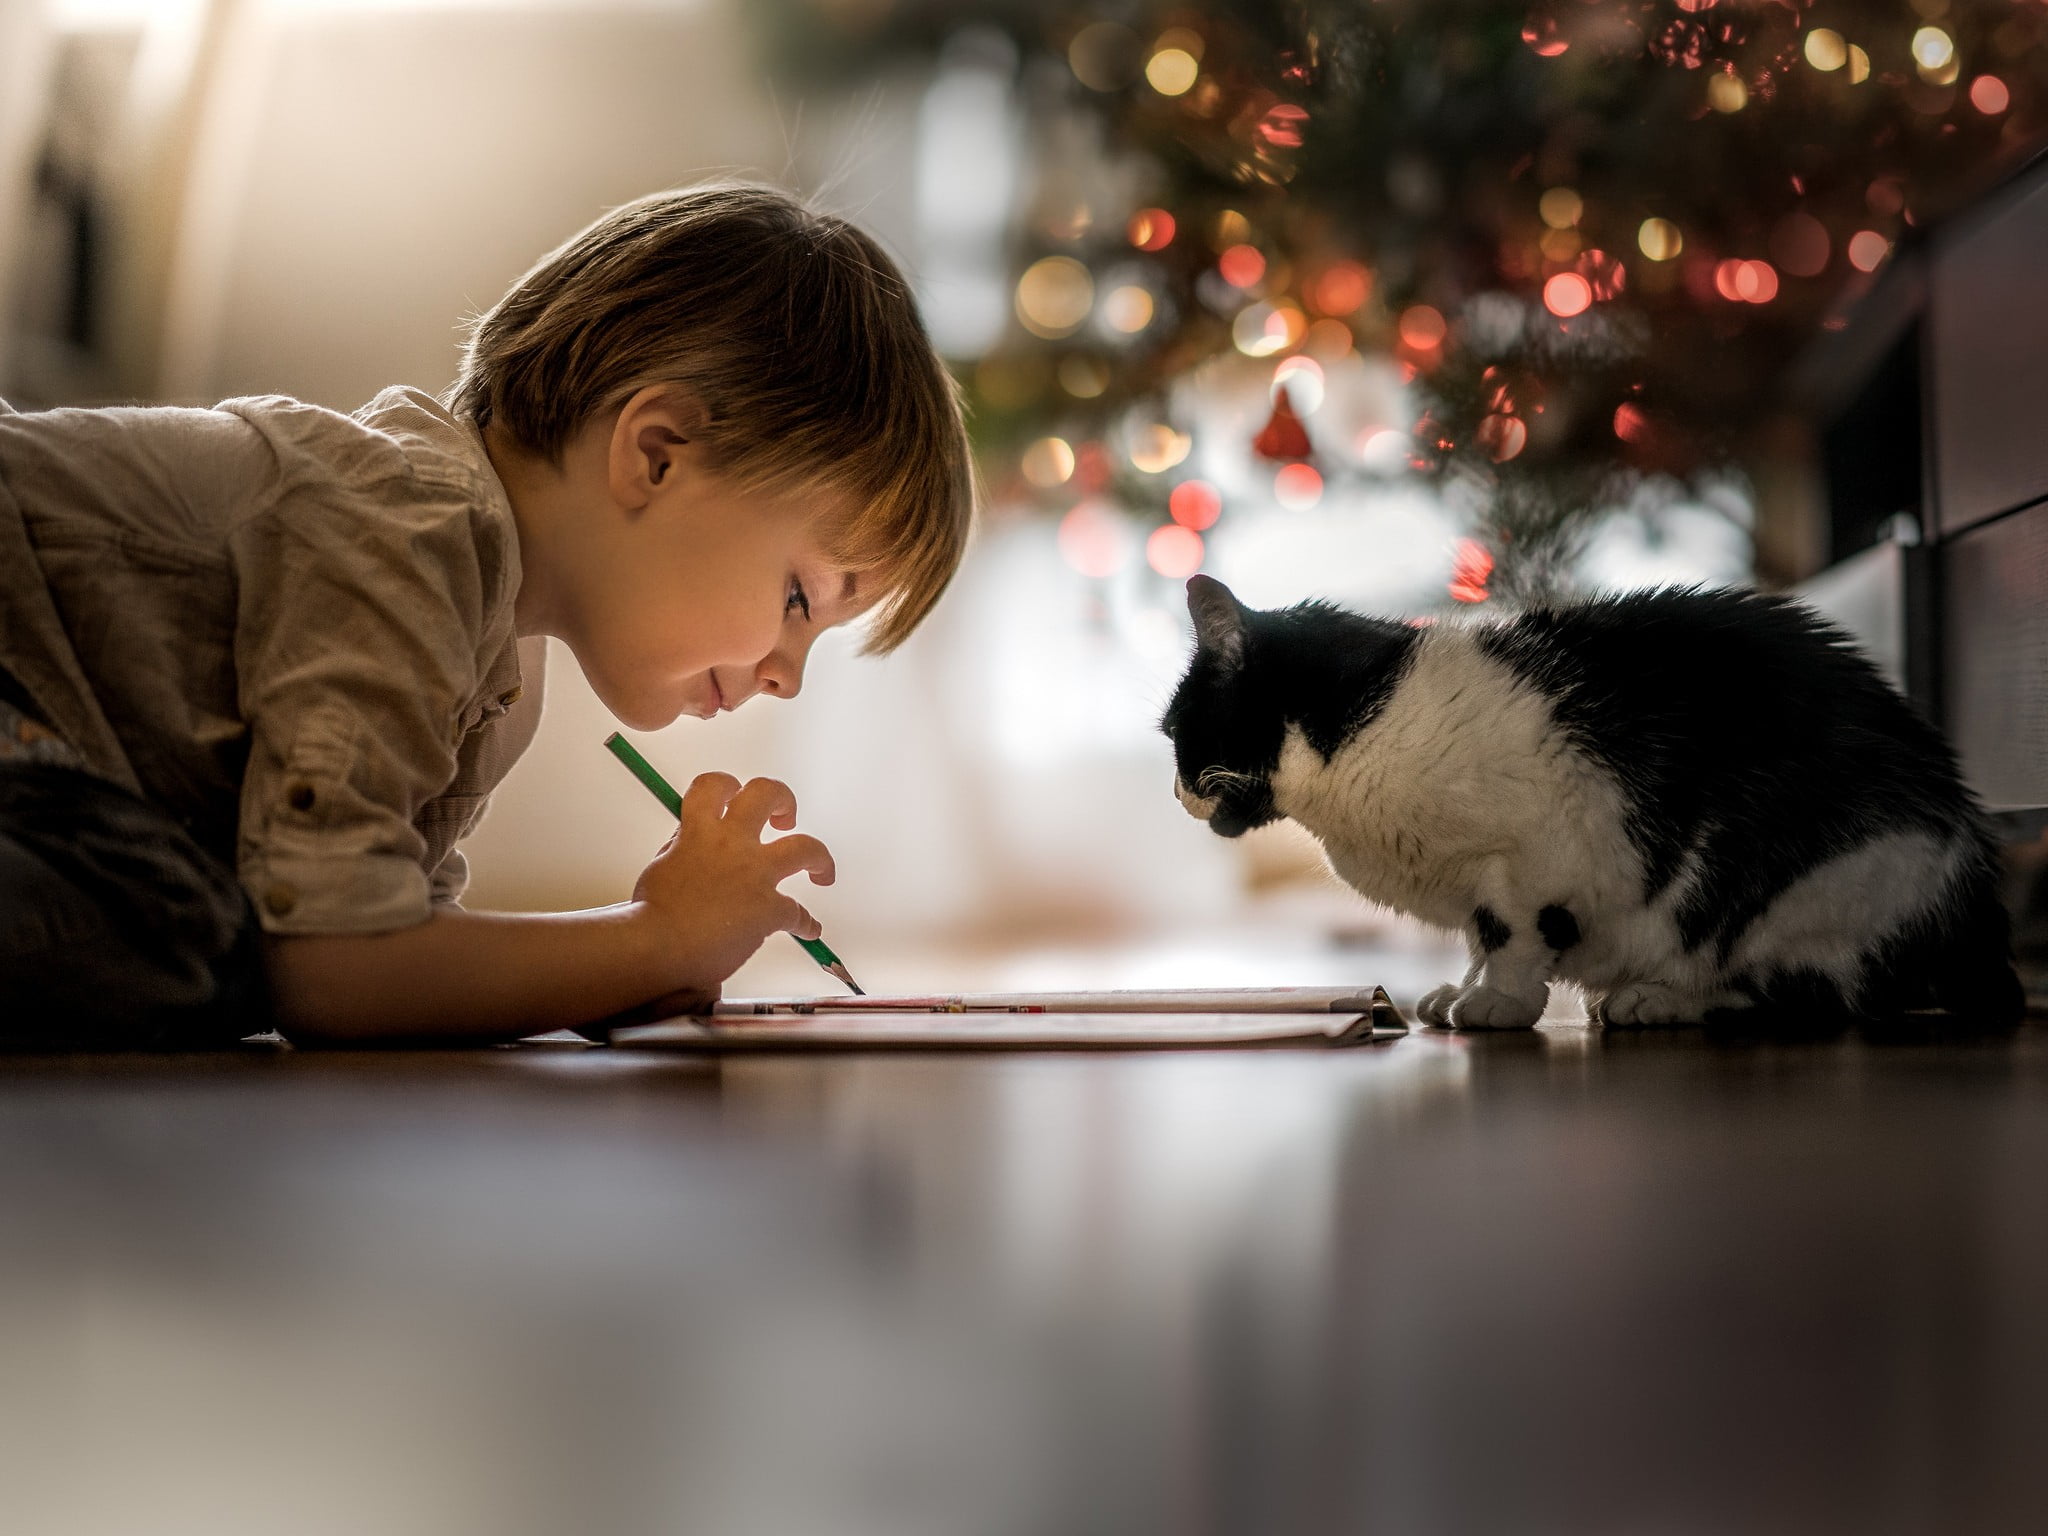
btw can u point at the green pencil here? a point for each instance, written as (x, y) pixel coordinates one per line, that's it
(665, 792)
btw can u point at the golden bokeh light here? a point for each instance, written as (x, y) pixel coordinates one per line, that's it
(1049, 462)
(1082, 376)
(1232, 228)
(1054, 296)
(1155, 448)
(1933, 50)
(1302, 378)
(1127, 310)
(1171, 71)
(1826, 49)
(1859, 65)
(1727, 93)
(1104, 56)
(1560, 207)
(1660, 239)
(1260, 330)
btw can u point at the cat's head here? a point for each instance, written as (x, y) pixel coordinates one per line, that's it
(1225, 729)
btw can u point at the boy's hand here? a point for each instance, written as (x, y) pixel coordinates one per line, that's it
(711, 891)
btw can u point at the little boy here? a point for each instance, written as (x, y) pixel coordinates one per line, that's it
(261, 666)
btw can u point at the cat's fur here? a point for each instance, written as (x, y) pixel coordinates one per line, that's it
(1685, 802)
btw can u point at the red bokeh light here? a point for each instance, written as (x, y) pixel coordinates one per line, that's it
(1298, 487)
(1503, 436)
(1867, 248)
(1541, 34)
(1422, 327)
(1471, 565)
(1989, 95)
(1195, 504)
(1567, 294)
(1341, 288)
(1241, 265)
(1094, 540)
(1151, 229)
(1603, 273)
(1746, 282)
(1631, 422)
(1174, 552)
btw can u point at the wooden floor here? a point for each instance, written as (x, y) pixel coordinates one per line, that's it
(1571, 1283)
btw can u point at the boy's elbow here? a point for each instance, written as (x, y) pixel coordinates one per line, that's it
(311, 1001)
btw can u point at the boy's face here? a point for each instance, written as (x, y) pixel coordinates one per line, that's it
(680, 592)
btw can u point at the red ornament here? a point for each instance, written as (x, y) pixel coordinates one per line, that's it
(1284, 436)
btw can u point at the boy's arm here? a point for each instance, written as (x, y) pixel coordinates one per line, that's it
(700, 909)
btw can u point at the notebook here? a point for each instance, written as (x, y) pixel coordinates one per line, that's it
(1187, 1018)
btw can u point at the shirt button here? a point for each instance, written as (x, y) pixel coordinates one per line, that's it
(300, 797)
(507, 700)
(280, 899)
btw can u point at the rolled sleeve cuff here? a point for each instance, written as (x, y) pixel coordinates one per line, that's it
(372, 893)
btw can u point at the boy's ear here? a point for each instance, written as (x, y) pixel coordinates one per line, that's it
(1219, 619)
(649, 439)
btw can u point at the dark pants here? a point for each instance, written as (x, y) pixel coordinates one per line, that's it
(117, 930)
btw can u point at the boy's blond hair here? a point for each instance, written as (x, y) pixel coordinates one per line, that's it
(797, 335)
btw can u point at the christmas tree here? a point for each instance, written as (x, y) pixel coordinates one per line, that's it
(1592, 235)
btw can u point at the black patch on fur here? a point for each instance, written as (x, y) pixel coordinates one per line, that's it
(1493, 933)
(1313, 665)
(1560, 930)
(1753, 744)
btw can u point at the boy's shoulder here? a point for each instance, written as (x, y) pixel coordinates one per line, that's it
(401, 434)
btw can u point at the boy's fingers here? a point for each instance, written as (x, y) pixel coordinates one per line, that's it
(708, 793)
(762, 801)
(802, 852)
(797, 919)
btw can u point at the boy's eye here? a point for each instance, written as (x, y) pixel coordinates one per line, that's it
(797, 600)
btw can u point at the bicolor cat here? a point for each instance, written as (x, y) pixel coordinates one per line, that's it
(1687, 803)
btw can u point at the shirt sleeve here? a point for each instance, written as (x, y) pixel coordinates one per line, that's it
(362, 601)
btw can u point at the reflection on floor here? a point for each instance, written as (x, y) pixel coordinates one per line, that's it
(1558, 1282)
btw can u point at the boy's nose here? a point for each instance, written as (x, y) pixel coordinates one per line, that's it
(781, 673)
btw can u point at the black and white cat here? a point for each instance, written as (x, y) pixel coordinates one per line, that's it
(1684, 802)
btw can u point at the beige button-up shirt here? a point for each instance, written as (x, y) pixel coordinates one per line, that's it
(290, 628)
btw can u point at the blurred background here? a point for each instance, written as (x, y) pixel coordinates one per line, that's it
(1425, 308)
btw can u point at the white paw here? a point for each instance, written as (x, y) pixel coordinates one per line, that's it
(1485, 1007)
(1643, 1003)
(1435, 1007)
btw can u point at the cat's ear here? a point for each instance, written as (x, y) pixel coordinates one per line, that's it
(1219, 619)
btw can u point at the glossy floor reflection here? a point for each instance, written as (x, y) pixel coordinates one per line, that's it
(1555, 1283)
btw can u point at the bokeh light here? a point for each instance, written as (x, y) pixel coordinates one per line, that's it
(1800, 244)
(1174, 552)
(1567, 294)
(1340, 288)
(1659, 239)
(1082, 376)
(1631, 422)
(1297, 487)
(1151, 229)
(1933, 50)
(1422, 327)
(1503, 436)
(1560, 207)
(1104, 56)
(1989, 95)
(1826, 49)
(1746, 282)
(1195, 504)
(1603, 273)
(1727, 93)
(1049, 462)
(1095, 539)
(1471, 566)
(1170, 71)
(1260, 330)
(1127, 310)
(1054, 296)
(1867, 249)
(1328, 340)
(1859, 65)
(1241, 265)
(1155, 448)
(1302, 378)
(1542, 35)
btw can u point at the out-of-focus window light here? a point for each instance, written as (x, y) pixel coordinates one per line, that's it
(967, 154)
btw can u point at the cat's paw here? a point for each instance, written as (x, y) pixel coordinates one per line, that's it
(1484, 1007)
(1435, 1007)
(1645, 1004)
